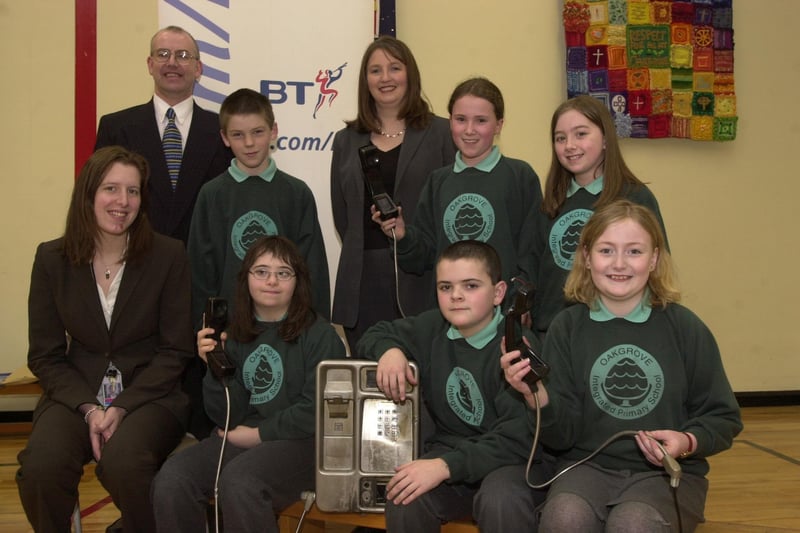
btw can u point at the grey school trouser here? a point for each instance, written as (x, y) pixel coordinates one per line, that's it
(254, 484)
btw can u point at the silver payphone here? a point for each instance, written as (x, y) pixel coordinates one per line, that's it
(361, 436)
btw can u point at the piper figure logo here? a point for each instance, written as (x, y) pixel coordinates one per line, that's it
(326, 78)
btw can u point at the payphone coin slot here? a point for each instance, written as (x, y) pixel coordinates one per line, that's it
(338, 424)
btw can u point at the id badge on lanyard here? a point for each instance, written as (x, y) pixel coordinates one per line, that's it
(111, 386)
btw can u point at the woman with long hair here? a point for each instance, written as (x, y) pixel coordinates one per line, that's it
(109, 336)
(411, 142)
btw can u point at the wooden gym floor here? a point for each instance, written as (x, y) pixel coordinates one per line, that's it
(755, 486)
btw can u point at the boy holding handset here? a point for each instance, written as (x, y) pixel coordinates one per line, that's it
(474, 462)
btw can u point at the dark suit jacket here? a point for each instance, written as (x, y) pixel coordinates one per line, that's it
(422, 152)
(150, 339)
(205, 157)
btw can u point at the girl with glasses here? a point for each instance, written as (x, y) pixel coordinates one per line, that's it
(275, 341)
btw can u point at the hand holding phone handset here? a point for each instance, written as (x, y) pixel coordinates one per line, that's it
(385, 207)
(514, 341)
(538, 370)
(216, 317)
(371, 165)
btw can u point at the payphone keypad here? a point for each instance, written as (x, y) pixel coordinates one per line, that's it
(386, 421)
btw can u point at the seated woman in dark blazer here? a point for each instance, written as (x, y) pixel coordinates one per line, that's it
(109, 336)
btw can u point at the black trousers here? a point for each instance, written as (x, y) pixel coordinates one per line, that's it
(52, 463)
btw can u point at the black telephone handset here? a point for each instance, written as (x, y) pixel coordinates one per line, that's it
(371, 165)
(216, 317)
(521, 304)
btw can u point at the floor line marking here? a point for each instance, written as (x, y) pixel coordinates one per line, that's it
(770, 451)
(96, 506)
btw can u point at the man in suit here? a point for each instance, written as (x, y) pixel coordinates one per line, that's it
(174, 63)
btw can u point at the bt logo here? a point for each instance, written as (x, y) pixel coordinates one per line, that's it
(279, 92)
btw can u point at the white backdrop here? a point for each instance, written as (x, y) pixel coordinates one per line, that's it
(284, 48)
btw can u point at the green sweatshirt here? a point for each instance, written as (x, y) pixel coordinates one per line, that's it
(231, 215)
(480, 421)
(274, 388)
(499, 207)
(661, 371)
(557, 243)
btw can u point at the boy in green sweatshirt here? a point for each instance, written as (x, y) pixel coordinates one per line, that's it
(474, 462)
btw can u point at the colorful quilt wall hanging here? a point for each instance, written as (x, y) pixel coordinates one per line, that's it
(664, 68)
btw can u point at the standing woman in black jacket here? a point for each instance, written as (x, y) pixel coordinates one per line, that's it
(393, 116)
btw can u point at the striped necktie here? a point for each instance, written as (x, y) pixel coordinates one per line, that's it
(173, 148)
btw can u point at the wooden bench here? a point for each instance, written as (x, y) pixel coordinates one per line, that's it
(315, 521)
(19, 398)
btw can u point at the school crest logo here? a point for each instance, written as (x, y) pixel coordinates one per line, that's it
(464, 396)
(626, 382)
(248, 229)
(263, 374)
(565, 235)
(469, 216)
